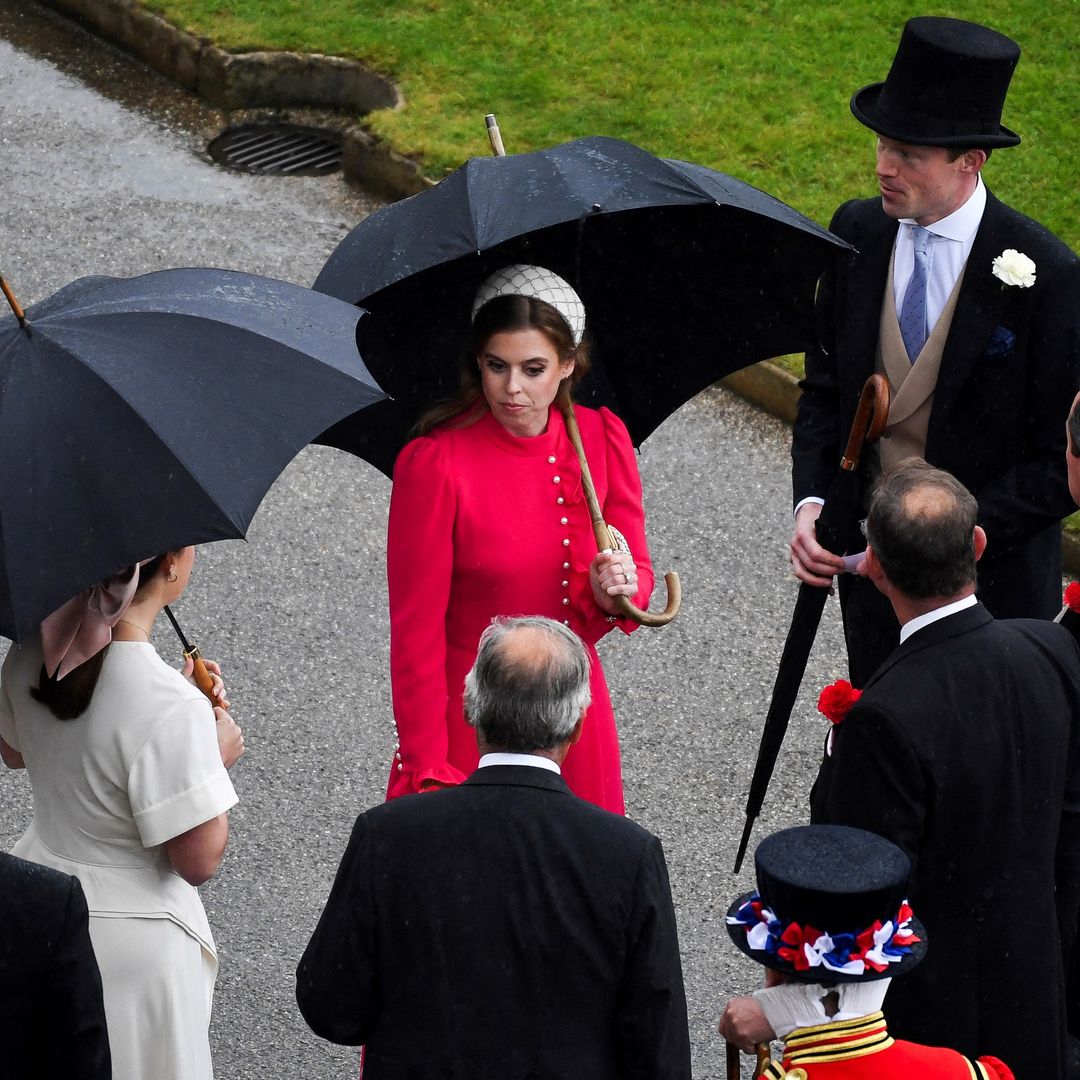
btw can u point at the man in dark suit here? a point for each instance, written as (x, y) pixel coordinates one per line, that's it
(969, 308)
(504, 928)
(51, 1010)
(964, 749)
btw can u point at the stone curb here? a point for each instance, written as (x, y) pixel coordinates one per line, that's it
(767, 386)
(235, 81)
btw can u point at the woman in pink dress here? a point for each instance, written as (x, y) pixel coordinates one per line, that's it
(487, 517)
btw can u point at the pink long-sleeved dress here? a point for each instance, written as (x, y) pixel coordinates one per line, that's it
(483, 523)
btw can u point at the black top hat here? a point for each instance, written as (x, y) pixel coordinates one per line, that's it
(830, 907)
(946, 86)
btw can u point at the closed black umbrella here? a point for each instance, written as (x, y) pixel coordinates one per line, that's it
(686, 275)
(841, 507)
(141, 415)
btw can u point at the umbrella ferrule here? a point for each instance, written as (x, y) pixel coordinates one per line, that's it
(849, 465)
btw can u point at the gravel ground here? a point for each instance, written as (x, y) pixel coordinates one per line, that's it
(104, 171)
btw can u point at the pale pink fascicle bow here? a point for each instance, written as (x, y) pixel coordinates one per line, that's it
(83, 626)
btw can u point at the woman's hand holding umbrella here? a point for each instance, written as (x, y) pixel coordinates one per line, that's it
(611, 575)
(230, 736)
(216, 689)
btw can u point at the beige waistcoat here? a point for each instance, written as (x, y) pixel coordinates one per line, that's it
(912, 385)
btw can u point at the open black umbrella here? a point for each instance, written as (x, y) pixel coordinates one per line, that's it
(141, 415)
(840, 508)
(686, 275)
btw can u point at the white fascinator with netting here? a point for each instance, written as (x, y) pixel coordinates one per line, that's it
(523, 280)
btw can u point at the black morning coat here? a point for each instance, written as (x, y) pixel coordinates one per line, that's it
(964, 749)
(499, 930)
(1009, 371)
(51, 1011)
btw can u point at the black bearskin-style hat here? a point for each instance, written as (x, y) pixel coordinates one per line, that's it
(946, 86)
(830, 907)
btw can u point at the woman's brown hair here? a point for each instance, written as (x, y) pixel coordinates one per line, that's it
(504, 314)
(68, 698)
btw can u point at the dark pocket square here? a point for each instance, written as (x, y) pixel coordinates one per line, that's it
(1000, 344)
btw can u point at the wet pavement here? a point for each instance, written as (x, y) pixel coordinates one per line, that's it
(104, 170)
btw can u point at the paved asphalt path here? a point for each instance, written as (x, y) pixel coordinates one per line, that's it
(103, 170)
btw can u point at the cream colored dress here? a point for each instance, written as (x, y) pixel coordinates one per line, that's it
(139, 767)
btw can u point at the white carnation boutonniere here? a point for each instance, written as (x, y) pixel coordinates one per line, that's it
(1014, 268)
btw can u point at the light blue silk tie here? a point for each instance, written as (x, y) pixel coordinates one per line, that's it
(913, 327)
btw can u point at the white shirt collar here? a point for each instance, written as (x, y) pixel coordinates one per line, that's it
(792, 1006)
(535, 760)
(922, 621)
(963, 222)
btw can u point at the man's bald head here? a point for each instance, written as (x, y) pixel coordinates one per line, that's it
(529, 686)
(921, 527)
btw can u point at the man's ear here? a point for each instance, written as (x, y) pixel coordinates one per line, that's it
(971, 161)
(576, 733)
(979, 542)
(873, 566)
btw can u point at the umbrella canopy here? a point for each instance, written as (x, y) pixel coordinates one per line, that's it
(141, 415)
(686, 275)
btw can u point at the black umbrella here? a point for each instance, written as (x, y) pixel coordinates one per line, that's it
(686, 275)
(840, 508)
(142, 415)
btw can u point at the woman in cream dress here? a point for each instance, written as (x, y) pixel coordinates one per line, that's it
(127, 763)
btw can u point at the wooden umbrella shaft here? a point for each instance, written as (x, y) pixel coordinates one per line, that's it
(734, 1067)
(604, 541)
(494, 137)
(13, 303)
(603, 535)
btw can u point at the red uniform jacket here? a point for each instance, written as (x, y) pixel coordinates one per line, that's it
(862, 1049)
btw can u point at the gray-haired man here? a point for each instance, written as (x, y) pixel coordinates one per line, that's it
(504, 927)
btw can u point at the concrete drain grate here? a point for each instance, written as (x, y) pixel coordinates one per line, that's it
(281, 149)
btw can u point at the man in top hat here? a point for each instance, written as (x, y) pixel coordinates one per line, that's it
(970, 310)
(831, 924)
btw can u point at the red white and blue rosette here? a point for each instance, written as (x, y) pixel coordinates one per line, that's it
(809, 954)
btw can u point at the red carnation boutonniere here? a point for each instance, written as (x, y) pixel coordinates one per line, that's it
(1072, 596)
(836, 700)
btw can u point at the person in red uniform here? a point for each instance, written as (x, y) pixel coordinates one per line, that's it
(830, 924)
(488, 518)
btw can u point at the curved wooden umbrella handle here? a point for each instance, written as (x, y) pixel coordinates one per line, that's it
(604, 541)
(870, 419)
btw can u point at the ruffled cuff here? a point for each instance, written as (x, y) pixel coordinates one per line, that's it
(405, 782)
(996, 1068)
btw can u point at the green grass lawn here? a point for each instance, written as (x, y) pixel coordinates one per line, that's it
(755, 88)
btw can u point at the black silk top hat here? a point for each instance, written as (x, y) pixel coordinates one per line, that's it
(946, 86)
(830, 907)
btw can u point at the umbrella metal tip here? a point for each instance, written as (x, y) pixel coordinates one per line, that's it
(744, 843)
